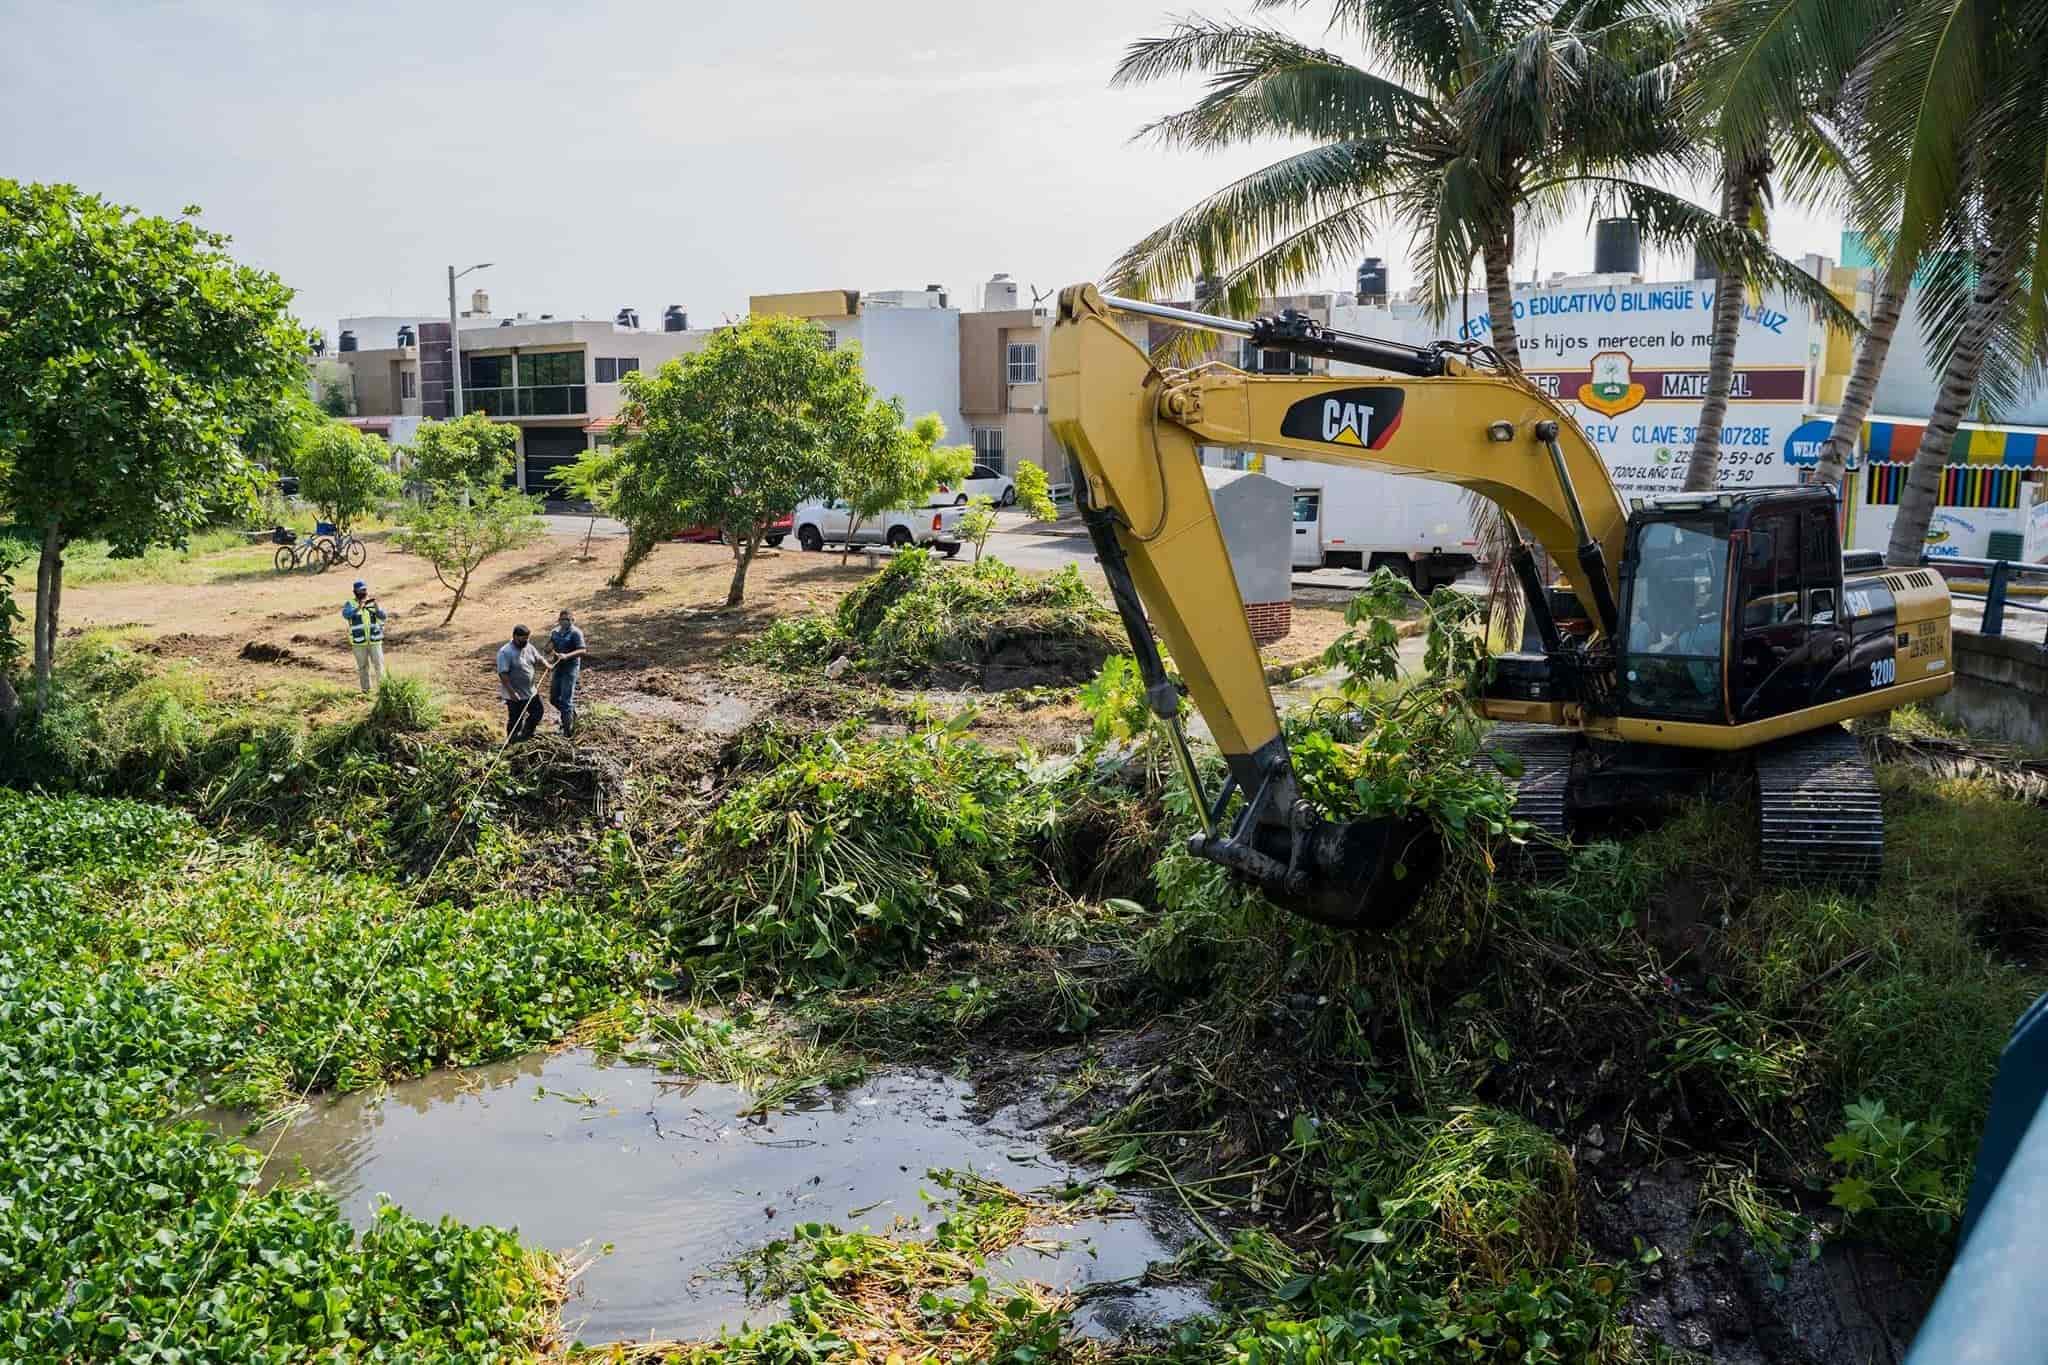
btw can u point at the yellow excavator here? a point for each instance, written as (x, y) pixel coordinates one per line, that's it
(1695, 634)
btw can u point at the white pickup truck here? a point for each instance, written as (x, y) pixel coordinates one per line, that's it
(818, 524)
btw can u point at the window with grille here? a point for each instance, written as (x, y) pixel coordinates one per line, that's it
(988, 446)
(1023, 362)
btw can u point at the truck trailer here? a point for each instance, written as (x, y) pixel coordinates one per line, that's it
(1361, 519)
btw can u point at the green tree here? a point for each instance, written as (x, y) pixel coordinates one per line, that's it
(594, 478)
(1034, 492)
(343, 472)
(1466, 121)
(455, 533)
(136, 357)
(334, 399)
(10, 643)
(470, 452)
(891, 465)
(735, 436)
(977, 522)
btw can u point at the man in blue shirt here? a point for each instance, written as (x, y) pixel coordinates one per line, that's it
(566, 644)
(365, 635)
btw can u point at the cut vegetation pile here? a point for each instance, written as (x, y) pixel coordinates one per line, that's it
(986, 625)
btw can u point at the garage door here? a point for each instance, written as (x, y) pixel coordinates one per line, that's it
(550, 450)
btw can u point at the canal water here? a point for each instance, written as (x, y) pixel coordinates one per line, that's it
(660, 1185)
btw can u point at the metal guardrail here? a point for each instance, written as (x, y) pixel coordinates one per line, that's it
(528, 400)
(1998, 575)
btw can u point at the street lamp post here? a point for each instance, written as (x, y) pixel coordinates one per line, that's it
(455, 335)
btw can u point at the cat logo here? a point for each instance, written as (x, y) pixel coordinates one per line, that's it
(1363, 419)
(1610, 390)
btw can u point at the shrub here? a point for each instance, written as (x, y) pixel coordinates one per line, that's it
(405, 703)
(845, 855)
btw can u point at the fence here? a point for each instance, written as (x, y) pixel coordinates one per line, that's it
(1998, 575)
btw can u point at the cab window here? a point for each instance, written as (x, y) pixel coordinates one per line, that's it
(1771, 587)
(1307, 506)
(1674, 628)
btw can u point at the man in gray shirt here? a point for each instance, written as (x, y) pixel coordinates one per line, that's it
(519, 669)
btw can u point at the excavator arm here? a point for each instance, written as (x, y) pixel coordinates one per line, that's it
(1132, 429)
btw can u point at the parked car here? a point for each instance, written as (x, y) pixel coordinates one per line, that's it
(819, 524)
(778, 531)
(981, 481)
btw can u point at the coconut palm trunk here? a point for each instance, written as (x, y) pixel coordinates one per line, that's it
(1738, 201)
(1862, 388)
(1499, 256)
(1996, 285)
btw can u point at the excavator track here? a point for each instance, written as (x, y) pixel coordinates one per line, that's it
(1819, 814)
(1541, 791)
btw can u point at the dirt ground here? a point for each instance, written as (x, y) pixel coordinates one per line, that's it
(654, 645)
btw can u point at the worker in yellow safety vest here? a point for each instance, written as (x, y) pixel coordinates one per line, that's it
(365, 635)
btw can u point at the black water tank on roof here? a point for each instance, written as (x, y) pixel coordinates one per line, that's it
(628, 317)
(1617, 247)
(405, 335)
(674, 319)
(348, 341)
(1372, 280)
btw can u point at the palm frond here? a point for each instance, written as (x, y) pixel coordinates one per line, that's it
(1268, 85)
(1230, 227)
(1670, 222)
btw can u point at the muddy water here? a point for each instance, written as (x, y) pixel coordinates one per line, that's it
(577, 1154)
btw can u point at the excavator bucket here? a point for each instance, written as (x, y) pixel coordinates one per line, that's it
(1351, 874)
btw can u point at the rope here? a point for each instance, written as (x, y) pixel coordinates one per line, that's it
(347, 1020)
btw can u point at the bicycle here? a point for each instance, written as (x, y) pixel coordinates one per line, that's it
(309, 554)
(343, 547)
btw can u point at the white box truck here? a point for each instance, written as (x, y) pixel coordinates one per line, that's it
(1361, 519)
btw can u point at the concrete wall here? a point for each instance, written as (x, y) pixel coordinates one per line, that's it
(2001, 689)
(913, 354)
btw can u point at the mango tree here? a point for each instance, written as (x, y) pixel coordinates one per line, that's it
(136, 359)
(735, 436)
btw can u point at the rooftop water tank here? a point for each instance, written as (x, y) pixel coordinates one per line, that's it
(405, 335)
(1617, 247)
(348, 341)
(674, 319)
(629, 318)
(1372, 280)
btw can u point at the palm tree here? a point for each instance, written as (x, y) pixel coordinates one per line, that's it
(1467, 123)
(1763, 68)
(1953, 135)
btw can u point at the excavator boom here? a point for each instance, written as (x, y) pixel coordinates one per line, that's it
(1132, 430)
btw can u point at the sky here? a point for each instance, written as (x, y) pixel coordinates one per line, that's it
(605, 155)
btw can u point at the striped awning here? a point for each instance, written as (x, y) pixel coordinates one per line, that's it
(1889, 442)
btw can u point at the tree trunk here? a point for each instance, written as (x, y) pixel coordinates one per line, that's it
(49, 599)
(638, 547)
(1489, 521)
(852, 525)
(1738, 198)
(1499, 257)
(1996, 284)
(743, 555)
(460, 588)
(1862, 389)
(10, 704)
(588, 532)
